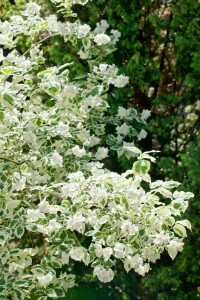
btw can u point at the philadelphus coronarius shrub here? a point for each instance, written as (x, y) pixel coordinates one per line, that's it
(59, 205)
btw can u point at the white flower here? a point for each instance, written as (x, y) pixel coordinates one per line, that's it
(120, 81)
(44, 115)
(33, 215)
(2, 144)
(32, 9)
(98, 250)
(83, 135)
(103, 274)
(173, 247)
(92, 217)
(123, 129)
(151, 254)
(3, 39)
(56, 160)
(65, 258)
(101, 153)
(76, 222)
(83, 55)
(161, 238)
(53, 226)
(19, 182)
(83, 30)
(52, 23)
(101, 27)
(102, 39)
(92, 101)
(122, 112)
(103, 68)
(142, 135)
(63, 129)
(70, 92)
(92, 141)
(133, 262)
(116, 35)
(5, 27)
(97, 196)
(119, 250)
(44, 280)
(105, 252)
(142, 269)
(77, 253)
(42, 229)
(1, 55)
(150, 92)
(44, 206)
(145, 114)
(69, 188)
(77, 151)
(128, 228)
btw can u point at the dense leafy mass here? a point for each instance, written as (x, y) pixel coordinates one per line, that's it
(59, 205)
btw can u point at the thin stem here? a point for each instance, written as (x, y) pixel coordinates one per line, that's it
(7, 159)
(41, 41)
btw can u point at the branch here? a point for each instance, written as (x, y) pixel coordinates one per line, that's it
(10, 160)
(40, 42)
(163, 55)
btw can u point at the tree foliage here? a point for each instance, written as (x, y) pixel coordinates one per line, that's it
(159, 51)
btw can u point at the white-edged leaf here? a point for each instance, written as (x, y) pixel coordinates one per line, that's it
(19, 295)
(19, 231)
(180, 230)
(172, 252)
(141, 166)
(133, 149)
(12, 204)
(185, 223)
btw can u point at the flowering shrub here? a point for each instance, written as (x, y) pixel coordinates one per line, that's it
(59, 205)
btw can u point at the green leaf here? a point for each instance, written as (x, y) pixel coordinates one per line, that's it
(56, 264)
(180, 230)
(132, 149)
(19, 231)
(169, 221)
(8, 98)
(18, 295)
(65, 65)
(39, 122)
(46, 73)
(141, 166)
(38, 270)
(81, 77)
(94, 91)
(1, 115)
(12, 204)
(185, 223)
(16, 252)
(59, 292)
(86, 43)
(3, 238)
(109, 263)
(8, 70)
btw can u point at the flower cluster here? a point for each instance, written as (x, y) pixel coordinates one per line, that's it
(59, 205)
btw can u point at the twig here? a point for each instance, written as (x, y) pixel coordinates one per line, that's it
(44, 39)
(7, 159)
